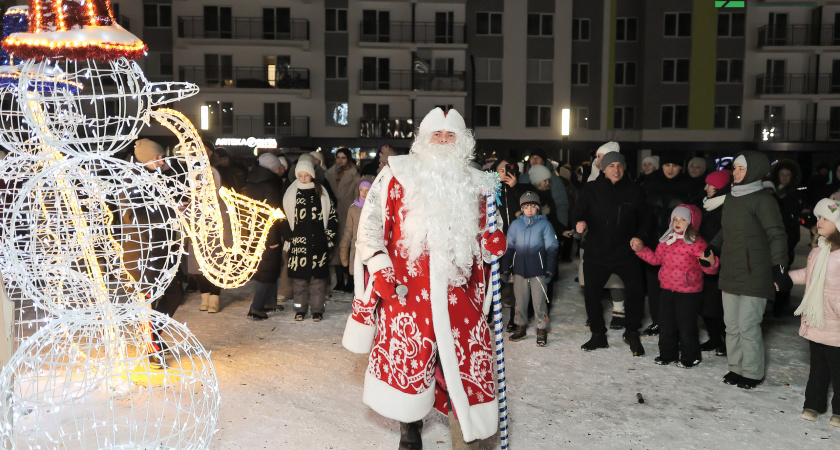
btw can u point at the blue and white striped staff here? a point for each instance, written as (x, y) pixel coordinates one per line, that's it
(491, 190)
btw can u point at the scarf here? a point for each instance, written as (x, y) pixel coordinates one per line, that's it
(740, 190)
(673, 237)
(812, 303)
(710, 204)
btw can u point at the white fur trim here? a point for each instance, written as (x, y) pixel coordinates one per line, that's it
(358, 337)
(370, 238)
(358, 276)
(395, 404)
(290, 197)
(484, 418)
(379, 262)
(471, 425)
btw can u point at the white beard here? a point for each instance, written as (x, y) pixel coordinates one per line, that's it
(441, 208)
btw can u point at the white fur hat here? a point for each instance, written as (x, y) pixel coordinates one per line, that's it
(305, 165)
(269, 161)
(829, 210)
(437, 120)
(611, 146)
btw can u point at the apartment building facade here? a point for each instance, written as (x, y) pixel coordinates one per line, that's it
(650, 74)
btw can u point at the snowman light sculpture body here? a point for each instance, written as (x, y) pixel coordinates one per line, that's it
(94, 240)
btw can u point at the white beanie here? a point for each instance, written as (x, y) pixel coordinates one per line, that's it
(319, 156)
(145, 150)
(740, 160)
(305, 165)
(538, 174)
(653, 159)
(269, 161)
(828, 210)
(284, 162)
(611, 146)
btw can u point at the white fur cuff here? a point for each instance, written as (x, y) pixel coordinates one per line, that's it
(358, 337)
(379, 262)
(398, 405)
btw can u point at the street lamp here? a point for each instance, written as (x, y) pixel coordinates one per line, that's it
(566, 116)
(205, 117)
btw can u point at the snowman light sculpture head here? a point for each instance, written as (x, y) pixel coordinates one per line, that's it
(106, 99)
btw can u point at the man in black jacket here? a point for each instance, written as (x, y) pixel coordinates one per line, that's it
(614, 210)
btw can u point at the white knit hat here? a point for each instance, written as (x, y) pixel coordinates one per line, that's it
(437, 120)
(304, 165)
(317, 155)
(269, 161)
(611, 146)
(653, 159)
(829, 210)
(284, 162)
(145, 150)
(538, 174)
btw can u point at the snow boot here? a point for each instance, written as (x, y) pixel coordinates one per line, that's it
(597, 341)
(835, 420)
(410, 435)
(652, 330)
(687, 364)
(542, 338)
(635, 344)
(810, 415)
(518, 335)
(213, 304)
(458, 437)
(732, 378)
(617, 321)
(259, 315)
(662, 361)
(749, 383)
(205, 301)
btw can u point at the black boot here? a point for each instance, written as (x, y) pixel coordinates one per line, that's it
(542, 338)
(410, 435)
(632, 339)
(597, 341)
(518, 335)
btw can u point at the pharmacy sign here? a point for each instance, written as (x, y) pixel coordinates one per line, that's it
(729, 4)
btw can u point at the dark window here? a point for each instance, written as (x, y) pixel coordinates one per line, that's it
(738, 24)
(722, 71)
(729, 71)
(675, 70)
(734, 119)
(336, 67)
(540, 24)
(580, 73)
(720, 116)
(724, 24)
(581, 118)
(166, 64)
(533, 24)
(625, 73)
(537, 116)
(488, 116)
(580, 29)
(488, 23)
(157, 16)
(336, 20)
(547, 24)
(667, 117)
(681, 116)
(618, 117)
(624, 117)
(677, 24)
(625, 29)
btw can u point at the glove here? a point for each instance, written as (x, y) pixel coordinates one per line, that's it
(384, 284)
(495, 243)
(782, 278)
(707, 253)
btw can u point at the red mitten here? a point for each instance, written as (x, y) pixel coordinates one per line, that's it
(495, 243)
(384, 283)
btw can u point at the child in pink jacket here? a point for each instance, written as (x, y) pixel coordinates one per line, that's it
(820, 310)
(681, 280)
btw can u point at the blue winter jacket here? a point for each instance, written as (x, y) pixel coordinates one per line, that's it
(531, 247)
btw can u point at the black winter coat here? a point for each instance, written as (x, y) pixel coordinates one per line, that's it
(614, 214)
(310, 241)
(509, 205)
(663, 195)
(264, 185)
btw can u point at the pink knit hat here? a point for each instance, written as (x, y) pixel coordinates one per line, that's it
(719, 179)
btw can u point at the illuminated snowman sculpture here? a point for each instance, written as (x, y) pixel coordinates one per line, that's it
(94, 240)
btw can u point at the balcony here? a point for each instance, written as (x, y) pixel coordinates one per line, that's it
(194, 27)
(246, 77)
(124, 22)
(798, 35)
(407, 80)
(419, 33)
(797, 83)
(390, 127)
(796, 131)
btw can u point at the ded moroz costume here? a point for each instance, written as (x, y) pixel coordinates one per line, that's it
(421, 300)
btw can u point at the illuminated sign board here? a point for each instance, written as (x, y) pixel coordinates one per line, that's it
(249, 142)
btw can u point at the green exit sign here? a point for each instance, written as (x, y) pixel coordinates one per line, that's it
(729, 4)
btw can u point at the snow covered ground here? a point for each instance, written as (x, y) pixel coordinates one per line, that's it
(287, 384)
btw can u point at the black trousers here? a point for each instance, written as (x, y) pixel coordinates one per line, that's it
(595, 276)
(172, 297)
(653, 291)
(825, 370)
(679, 337)
(206, 287)
(712, 310)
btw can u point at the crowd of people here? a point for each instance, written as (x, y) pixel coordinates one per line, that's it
(684, 238)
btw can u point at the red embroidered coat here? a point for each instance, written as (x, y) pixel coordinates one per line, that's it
(433, 322)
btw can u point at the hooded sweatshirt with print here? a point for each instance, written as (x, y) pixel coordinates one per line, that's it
(681, 271)
(752, 239)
